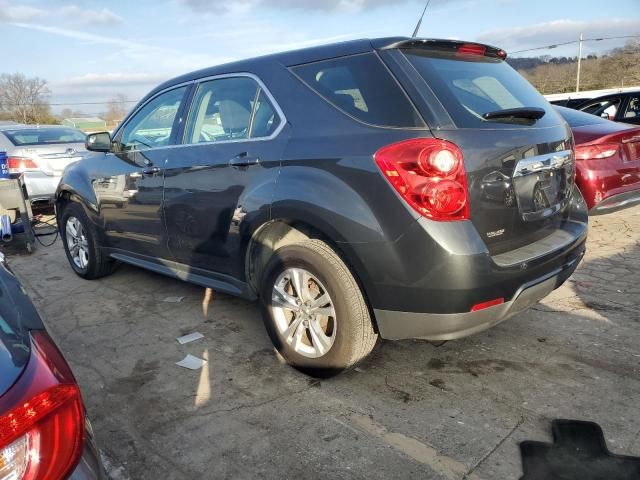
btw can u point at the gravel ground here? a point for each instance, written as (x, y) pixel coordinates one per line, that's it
(412, 410)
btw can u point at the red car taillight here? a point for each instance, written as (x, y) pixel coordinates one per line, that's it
(42, 429)
(429, 175)
(21, 165)
(591, 152)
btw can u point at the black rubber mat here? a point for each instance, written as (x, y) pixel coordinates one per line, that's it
(579, 452)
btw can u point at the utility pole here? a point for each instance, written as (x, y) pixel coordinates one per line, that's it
(579, 63)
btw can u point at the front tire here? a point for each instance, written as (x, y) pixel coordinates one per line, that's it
(314, 310)
(80, 240)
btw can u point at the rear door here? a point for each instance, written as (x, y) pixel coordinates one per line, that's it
(223, 175)
(520, 171)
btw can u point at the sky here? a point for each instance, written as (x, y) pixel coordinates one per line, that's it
(89, 50)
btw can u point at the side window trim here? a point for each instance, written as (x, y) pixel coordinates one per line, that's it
(253, 112)
(261, 89)
(120, 130)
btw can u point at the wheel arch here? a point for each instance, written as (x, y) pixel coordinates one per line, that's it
(280, 232)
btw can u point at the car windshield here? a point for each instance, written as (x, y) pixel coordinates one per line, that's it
(44, 136)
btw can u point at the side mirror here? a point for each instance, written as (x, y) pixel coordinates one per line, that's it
(605, 116)
(98, 142)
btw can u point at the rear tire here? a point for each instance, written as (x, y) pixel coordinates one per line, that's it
(80, 240)
(326, 327)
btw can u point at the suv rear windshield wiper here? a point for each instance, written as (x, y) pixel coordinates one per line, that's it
(524, 113)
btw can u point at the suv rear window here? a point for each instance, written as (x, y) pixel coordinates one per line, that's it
(362, 87)
(471, 86)
(44, 136)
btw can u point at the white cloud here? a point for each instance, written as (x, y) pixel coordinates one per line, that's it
(74, 14)
(112, 79)
(68, 15)
(239, 6)
(559, 31)
(19, 13)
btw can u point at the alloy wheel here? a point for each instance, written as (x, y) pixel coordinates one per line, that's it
(304, 312)
(77, 243)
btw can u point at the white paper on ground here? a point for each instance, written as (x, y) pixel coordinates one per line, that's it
(172, 299)
(192, 337)
(191, 362)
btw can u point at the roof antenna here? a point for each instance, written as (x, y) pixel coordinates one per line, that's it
(415, 32)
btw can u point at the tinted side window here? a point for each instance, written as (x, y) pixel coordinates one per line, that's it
(152, 126)
(265, 119)
(362, 87)
(633, 107)
(233, 108)
(608, 106)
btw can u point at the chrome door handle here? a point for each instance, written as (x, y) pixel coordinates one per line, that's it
(243, 160)
(151, 171)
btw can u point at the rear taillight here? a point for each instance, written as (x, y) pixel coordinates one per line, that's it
(21, 165)
(429, 175)
(602, 150)
(43, 428)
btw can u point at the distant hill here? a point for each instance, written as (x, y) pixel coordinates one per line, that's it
(618, 68)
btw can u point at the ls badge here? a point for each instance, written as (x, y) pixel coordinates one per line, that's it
(497, 233)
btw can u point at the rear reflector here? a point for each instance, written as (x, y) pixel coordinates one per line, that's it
(429, 175)
(592, 152)
(472, 49)
(42, 428)
(490, 303)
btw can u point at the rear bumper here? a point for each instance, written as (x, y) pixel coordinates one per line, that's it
(394, 325)
(41, 187)
(426, 283)
(90, 465)
(616, 202)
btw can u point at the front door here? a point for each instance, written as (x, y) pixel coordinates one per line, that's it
(130, 194)
(224, 175)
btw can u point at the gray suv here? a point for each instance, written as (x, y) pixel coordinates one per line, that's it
(395, 187)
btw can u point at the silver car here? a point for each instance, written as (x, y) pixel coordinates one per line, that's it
(41, 153)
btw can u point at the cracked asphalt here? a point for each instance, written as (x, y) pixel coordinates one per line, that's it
(412, 410)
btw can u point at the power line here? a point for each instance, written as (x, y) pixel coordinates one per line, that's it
(556, 45)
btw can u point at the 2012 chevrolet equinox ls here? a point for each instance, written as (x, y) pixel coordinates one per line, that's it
(396, 187)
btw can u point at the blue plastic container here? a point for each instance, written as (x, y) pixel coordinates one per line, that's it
(4, 167)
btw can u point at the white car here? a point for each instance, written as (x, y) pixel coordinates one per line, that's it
(40, 154)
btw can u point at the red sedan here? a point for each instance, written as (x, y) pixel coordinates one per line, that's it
(607, 160)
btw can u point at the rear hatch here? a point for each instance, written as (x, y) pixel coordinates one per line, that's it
(518, 151)
(51, 149)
